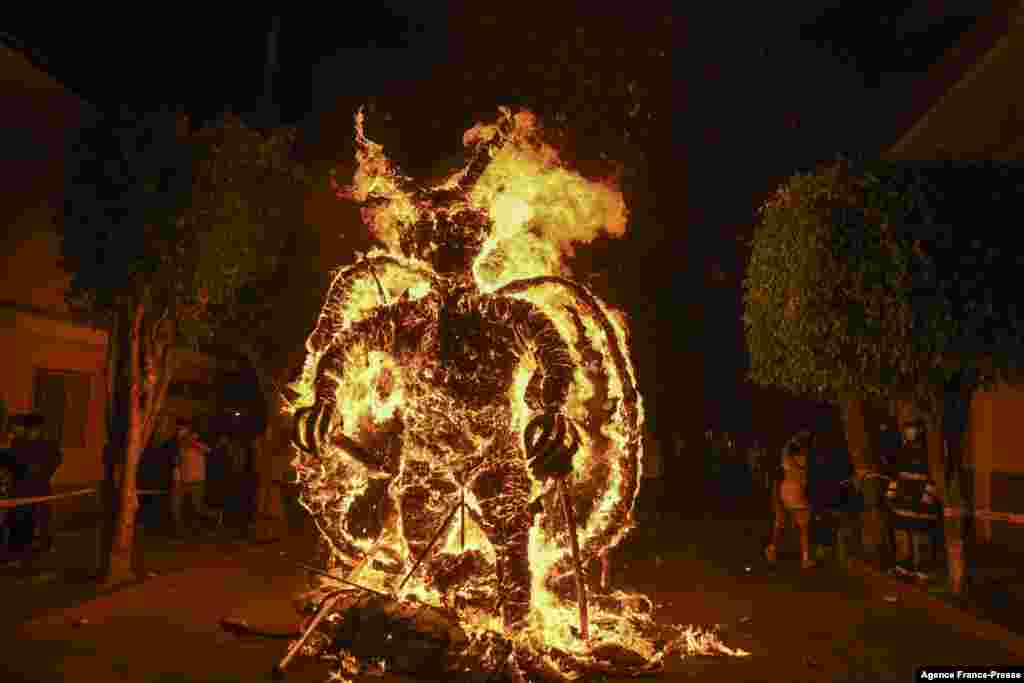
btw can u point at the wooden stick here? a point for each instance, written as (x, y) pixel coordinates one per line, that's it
(581, 584)
(326, 605)
(462, 514)
(341, 580)
(444, 525)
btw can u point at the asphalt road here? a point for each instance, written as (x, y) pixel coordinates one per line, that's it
(820, 625)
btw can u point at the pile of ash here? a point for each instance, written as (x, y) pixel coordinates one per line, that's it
(366, 633)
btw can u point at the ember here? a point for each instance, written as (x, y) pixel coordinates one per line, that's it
(468, 424)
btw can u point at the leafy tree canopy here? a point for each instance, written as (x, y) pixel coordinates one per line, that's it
(867, 278)
(181, 219)
(130, 182)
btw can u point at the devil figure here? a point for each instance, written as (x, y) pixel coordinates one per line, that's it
(464, 347)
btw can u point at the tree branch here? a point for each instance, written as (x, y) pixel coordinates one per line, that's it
(155, 334)
(135, 360)
(111, 370)
(159, 393)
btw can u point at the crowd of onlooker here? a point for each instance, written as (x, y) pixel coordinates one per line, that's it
(185, 483)
(813, 488)
(28, 461)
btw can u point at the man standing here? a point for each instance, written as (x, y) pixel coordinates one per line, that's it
(713, 473)
(156, 474)
(914, 508)
(652, 474)
(189, 477)
(9, 470)
(755, 463)
(38, 459)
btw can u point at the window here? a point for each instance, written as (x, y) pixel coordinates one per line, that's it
(62, 397)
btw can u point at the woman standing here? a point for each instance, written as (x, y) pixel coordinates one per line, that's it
(790, 498)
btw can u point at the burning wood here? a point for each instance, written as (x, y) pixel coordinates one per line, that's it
(454, 384)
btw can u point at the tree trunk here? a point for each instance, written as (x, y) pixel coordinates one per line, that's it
(955, 409)
(865, 462)
(148, 377)
(120, 567)
(945, 416)
(114, 371)
(270, 521)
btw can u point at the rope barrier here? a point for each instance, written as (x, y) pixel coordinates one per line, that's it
(984, 514)
(6, 503)
(31, 500)
(15, 502)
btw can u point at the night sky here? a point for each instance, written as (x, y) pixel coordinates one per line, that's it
(740, 98)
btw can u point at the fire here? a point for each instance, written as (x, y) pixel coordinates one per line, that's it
(434, 359)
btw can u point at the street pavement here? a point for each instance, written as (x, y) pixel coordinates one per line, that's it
(818, 625)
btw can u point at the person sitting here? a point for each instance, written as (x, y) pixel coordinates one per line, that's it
(790, 499)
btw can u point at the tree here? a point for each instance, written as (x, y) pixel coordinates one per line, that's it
(878, 281)
(264, 312)
(158, 238)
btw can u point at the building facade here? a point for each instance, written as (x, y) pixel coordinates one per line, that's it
(51, 361)
(976, 112)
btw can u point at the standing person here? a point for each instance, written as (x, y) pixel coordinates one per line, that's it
(714, 472)
(755, 463)
(889, 444)
(238, 476)
(12, 475)
(50, 457)
(8, 477)
(652, 474)
(38, 459)
(156, 473)
(914, 508)
(828, 469)
(731, 467)
(218, 470)
(790, 499)
(189, 477)
(678, 446)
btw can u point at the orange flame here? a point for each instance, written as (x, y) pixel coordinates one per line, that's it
(537, 211)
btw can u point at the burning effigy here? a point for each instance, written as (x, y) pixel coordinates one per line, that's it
(468, 427)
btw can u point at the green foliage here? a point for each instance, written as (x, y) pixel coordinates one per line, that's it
(130, 181)
(856, 283)
(246, 206)
(185, 220)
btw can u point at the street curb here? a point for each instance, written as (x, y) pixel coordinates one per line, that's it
(943, 612)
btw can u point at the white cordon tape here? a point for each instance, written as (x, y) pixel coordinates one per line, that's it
(15, 502)
(989, 515)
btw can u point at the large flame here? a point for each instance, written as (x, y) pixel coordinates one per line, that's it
(536, 211)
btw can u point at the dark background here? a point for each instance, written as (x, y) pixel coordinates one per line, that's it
(733, 100)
